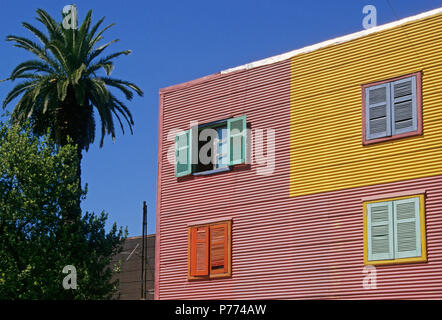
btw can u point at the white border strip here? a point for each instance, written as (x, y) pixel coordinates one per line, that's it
(338, 40)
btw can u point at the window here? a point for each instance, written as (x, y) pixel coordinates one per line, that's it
(211, 148)
(210, 250)
(392, 109)
(394, 230)
(212, 144)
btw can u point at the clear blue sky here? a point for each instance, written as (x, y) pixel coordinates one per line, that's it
(174, 42)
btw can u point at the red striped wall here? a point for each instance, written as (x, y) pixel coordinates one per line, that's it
(306, 247)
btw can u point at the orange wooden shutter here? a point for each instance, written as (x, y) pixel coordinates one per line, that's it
(219, 240)
(199, 251)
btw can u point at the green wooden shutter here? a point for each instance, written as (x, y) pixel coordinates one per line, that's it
(380, 230)
(236, 140)
(407, 228)
(183, 151)
(378, 111)
(404, 113)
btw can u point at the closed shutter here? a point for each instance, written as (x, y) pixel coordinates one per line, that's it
(407, 228)
(199, 251)
(219, 248)
(183, 151)
(378, 111)
(380, 231)
(236, 140)
(404, 114)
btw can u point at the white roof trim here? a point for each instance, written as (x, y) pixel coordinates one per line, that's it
(338, 40)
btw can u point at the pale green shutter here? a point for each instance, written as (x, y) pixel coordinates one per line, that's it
(378, 111)
(183, 151)
(380, 231)
(236, 140)
(407, 228)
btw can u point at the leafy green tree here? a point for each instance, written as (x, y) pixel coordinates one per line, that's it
(37, 179)
(61, 87)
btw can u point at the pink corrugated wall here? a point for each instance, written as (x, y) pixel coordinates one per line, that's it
(308, 247)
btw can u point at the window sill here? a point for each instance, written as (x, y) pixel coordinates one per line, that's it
(211, 277)
(209, 172)
(397, 261)
(398, 136)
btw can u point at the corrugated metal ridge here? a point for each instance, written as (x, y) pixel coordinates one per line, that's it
(334, 41)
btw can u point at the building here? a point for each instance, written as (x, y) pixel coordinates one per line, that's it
(325, 173)
(129, 260)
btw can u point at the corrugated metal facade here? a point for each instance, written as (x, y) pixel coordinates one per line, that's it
(130, 263)
(326, 146)
(304, 247)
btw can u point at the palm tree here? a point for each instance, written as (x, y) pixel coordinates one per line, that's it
(62, 85)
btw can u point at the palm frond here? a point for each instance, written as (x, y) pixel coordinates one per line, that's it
(28, 45)
(17, 90)
(95, 53)
(122, 85)
(50, 24)
(122, 109)
(62, 87)
(31, 65)
(82, 32)
(105, 116)
(93, 41)
(40, 35)
(78, 73)
(106, 63)
(57, 50)
(94, 29)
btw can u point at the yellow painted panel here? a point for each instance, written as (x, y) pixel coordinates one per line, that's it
(326, 151)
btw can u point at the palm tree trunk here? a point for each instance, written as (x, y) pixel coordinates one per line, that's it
(80, 157)
(71, 210)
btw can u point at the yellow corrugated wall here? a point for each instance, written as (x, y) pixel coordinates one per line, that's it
(326, 150)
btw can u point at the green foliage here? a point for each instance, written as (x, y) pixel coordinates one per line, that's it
(38, 182)
(61, 86)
